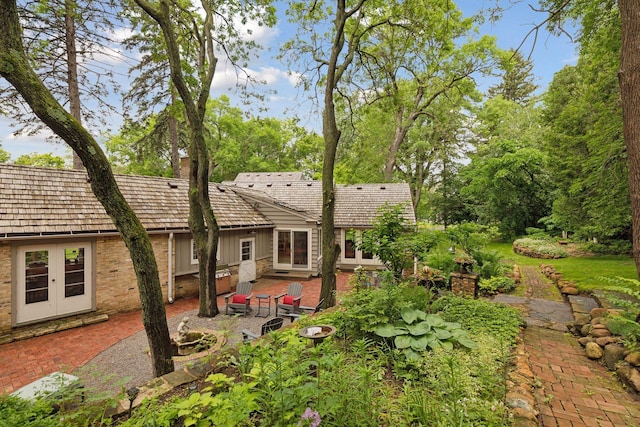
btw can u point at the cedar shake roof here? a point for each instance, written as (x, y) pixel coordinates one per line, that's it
(35, 201)
(356, 205)
(268, 176)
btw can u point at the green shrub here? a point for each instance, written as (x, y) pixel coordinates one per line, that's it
(20, 412)
(496, 284)
(440, 259)
(615, 247)
(481, 317)
(369, 308)
(489, 264)
(417, 331)
(540, 248)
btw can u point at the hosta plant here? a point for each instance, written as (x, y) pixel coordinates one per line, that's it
(417, 331)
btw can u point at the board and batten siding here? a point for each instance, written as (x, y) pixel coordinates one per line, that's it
(229, 248)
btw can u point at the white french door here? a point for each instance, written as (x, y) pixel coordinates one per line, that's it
(53, 280)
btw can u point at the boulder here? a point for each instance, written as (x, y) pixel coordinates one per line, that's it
(585, 330)
(580, 319)
(614, 353)
(629, 375)
(593, 350)
(584, 340)
(633, 358)
(598, 312)
(604, 341)
(599, 332)
(570, 290)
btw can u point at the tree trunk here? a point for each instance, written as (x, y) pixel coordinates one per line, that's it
(629, 77)
(173, 138)
(398, 136)
(202, 221)
(330, 248)
(14, 66)
(72, 70)
(206, 237)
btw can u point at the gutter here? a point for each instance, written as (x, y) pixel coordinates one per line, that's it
(170, 268)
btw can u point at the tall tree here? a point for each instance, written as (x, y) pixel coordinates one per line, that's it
(330, 54)
(15, 68)
(427, 52)
(210, 27)
(585, 139)
(517, 81)
(66, 41)
(629, 76)
(151, 88)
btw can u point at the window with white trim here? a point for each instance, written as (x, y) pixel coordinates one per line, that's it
(194, 252)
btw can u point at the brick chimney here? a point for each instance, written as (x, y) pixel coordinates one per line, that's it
(184, 167)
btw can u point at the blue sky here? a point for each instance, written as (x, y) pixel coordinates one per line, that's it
(549, 55)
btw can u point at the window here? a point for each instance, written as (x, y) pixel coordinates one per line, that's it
(194, 252)
(246, 250)
(351, 254)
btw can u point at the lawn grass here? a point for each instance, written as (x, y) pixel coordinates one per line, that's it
(583, 271)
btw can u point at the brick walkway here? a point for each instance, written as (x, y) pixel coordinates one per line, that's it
(574, 390)
(22, 362)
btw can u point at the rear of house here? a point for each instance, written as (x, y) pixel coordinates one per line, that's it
(61, 256)
(62, 262)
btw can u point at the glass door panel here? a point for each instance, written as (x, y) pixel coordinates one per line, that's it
(74, 268)
(36, 276)
(300, 249)
(284, 247)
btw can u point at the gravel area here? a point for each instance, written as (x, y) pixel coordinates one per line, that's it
(127, 363)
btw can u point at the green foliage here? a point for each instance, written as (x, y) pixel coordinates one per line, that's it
(19, 412)
(460, 388)
(470, 237)
(507, 181)
(629, 290)
(442, 259)
(481, 317)
(45, 160)
(584, 132)
(372, 307)
(496, 284)
(612, 247)
(541, 246)
(4, 155)
(417, 331)
(388, 239)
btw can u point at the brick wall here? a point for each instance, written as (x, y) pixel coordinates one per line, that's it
(116, 283)
(5, 287)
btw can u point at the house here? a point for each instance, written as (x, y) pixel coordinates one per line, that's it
(61, 257)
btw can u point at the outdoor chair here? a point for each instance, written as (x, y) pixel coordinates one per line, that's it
(289, 302)
(240, 300)
(305, 310)
(271, 325)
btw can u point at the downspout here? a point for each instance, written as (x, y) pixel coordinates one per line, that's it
(170, 269)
